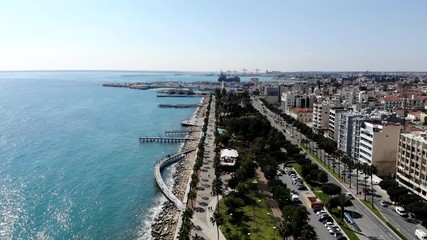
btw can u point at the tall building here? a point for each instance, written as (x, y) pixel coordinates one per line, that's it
(412, 162)
(335, 122)
(378, 145)
(320, 116)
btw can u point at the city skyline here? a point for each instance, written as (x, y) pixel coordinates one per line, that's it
(214, 36)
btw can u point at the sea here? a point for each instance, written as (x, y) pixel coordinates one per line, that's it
(71, 165)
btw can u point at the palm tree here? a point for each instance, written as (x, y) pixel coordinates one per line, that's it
(215, 220)
(341, 201)
(372, 170)
(192, 195)
(365, 169)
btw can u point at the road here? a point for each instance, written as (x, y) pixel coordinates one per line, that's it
(370, 224)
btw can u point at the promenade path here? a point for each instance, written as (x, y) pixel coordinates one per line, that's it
(162, 185)
(206, 203)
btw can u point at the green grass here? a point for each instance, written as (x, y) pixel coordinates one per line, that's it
(258, 223)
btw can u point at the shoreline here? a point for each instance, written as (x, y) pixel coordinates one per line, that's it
(165, 223)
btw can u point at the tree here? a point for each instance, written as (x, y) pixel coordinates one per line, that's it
(340, 201)
(322, 177)
(331, 189)
(308, 232)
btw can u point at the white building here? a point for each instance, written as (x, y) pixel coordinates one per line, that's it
(412, 162)
(320, 116)
(228, 157)
(334, 122)
(293, 99)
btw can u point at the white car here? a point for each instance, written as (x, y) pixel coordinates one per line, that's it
(321, 212)
(332, 226)
(401, 211)
(327, 224)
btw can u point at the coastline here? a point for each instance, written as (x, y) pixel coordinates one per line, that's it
(165, 223)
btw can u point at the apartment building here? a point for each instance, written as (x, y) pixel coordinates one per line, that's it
(412, 162)
(378, 145)
(321, 116)
(335, 122)
(292, 99)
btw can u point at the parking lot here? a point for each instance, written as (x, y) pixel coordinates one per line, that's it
(319, 227)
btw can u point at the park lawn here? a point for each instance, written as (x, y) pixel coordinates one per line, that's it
(259, 224)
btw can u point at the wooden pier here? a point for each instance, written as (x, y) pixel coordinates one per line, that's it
(178, 105)
(178, 132)
(165, 139)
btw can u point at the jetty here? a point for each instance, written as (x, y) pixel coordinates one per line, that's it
(165, 139)
(160, 165)
(178, 132)
(178, 105)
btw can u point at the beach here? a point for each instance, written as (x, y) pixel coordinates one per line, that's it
(165, 224)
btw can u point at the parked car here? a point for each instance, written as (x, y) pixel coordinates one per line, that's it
(327, 224)
(326, 219)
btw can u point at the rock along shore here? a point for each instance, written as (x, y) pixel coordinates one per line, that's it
(165, 223)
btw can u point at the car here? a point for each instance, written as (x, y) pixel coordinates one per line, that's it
(334, 230)
(341, 238)
(318, 209)
(338, 234)
(321, 212)
(401, 211)
(326, 219)
(301, 187)
(323, 215)
(332, 226)
(327, 224)
(349, 195)
(383, 203)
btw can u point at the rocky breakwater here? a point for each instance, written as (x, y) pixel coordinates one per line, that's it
(165, 224)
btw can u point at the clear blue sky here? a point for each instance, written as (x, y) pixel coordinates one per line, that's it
(202, 35)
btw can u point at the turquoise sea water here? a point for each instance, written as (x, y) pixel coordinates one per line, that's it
(71, 166)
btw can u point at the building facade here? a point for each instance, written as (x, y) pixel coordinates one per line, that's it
(378, 145)
(412, 163)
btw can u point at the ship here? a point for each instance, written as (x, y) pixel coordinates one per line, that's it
(223, 78)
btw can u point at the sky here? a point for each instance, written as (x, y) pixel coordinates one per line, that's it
(201, 35)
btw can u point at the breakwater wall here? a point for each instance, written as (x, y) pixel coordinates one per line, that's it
(168, 160)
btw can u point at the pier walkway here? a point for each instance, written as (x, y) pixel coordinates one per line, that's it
(178, 132)
(178, 105)
(162, 185)
(165, 139)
